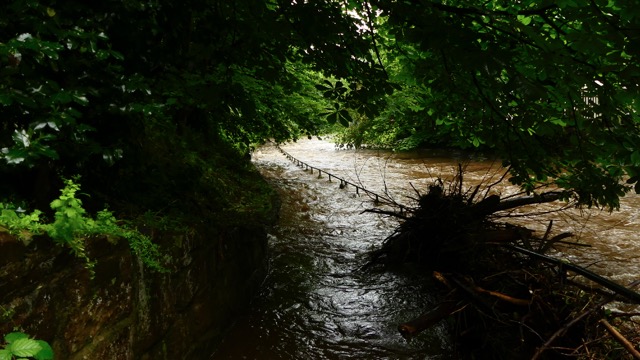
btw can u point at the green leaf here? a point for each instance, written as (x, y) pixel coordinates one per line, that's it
(557, 121)
(635, 158)
(80, 99)
(117, 55)
(24, 347)
(62, 98)
(21, 138)
(6, 99)
(46, 353)
(333, 118)
(15, 156)
(5, 354)
(70, 212)
(56, 204)
(525, 20)
(345, 117)
(11, 337)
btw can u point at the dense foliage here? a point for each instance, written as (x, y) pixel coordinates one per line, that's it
(551, 86)
(142, 97)
(72, 226)
(154, 105)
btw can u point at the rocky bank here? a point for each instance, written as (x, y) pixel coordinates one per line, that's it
(128, 311)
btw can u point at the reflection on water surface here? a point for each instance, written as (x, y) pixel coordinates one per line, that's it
(315, 306)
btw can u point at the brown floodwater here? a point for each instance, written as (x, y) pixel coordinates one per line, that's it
(315, 304)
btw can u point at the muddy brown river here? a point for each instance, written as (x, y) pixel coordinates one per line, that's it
(315, 304)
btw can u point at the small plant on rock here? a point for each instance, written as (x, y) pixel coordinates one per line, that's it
(72, 226)
(18, 346)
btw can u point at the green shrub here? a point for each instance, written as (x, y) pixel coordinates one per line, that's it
(72, 226)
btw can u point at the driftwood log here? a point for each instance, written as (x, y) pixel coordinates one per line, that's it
(472, 293)
(464, 292)
(507, 204)
(629, 294)
(621, 339)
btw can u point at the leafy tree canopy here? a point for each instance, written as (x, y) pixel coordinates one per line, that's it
(551, 86)
(139, 95)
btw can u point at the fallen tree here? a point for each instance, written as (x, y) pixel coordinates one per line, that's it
(507, 297)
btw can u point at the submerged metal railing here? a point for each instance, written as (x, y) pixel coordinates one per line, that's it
(344, 183)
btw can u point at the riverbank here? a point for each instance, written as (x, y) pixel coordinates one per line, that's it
(213, 246)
